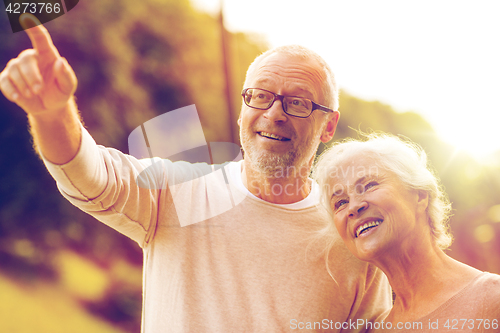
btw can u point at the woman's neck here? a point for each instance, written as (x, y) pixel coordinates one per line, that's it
(423, 278)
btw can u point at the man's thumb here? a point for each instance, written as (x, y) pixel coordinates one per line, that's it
(64, 76)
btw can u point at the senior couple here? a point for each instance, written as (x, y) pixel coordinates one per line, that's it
(275, 262)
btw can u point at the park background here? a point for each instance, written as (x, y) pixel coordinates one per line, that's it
(63, 271)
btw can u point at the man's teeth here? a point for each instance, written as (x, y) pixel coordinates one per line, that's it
(367, 226)
(273, 136)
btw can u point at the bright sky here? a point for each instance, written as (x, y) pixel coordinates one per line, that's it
(440, 58)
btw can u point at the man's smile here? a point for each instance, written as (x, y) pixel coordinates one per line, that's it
(273, 136)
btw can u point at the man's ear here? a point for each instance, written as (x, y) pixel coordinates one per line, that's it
(330, 127)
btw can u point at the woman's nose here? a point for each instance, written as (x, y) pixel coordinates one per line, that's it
(357, 207)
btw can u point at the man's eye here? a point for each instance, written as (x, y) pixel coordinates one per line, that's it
(297, 102)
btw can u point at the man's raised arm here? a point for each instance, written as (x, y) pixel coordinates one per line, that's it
(42, 83)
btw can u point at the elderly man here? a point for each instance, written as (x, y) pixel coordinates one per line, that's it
(258, 267)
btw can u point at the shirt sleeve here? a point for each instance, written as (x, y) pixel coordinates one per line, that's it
(115, 188)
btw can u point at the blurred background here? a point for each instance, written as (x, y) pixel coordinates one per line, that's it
(428, 71)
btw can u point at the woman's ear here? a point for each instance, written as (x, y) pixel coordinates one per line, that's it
(422, 201)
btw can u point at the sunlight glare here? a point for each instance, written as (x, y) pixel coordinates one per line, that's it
(439, 59)
(484, 233)
(480, 142)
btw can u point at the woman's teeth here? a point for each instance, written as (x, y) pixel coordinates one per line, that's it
(367, 226)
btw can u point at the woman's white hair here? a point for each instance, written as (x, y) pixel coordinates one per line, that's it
(407, 160)
(330, 89)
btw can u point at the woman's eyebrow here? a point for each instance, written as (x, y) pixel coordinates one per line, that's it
(337, 193)
(358, 181)
(342, 190)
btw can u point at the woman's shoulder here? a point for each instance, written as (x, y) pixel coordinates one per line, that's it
(484, 286)
(488, 281)
(487, 288)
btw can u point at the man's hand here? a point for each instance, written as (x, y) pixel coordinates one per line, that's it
(39, 80)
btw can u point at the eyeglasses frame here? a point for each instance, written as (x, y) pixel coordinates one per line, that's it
(315, 106)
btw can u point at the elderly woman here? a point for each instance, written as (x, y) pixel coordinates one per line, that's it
(390, 210)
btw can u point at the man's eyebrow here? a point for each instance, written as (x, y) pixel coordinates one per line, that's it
(262, 80)
(305, 92)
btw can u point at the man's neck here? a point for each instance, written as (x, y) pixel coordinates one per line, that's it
(281, 187)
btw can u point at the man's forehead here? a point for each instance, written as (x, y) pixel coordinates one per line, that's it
(292, 63)
(292, 73)
(290, 85)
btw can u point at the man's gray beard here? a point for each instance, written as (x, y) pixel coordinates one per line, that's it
(274, 165)
(278, 165)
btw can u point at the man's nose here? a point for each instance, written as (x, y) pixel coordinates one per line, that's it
(276, 113)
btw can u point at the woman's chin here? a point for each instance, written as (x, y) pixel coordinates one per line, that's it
(370, 245)
(368, 249)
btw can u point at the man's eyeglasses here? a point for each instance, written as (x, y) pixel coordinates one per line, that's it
(294, 106)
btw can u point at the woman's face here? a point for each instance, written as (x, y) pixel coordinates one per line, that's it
(374, 213)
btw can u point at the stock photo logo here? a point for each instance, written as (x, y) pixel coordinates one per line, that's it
(43, 10)
(174, 144)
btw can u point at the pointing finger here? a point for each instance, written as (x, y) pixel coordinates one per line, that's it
(39, 36)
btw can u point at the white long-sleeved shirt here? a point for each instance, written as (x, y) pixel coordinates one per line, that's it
(217, 259)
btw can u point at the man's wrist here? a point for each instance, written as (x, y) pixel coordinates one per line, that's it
(54, 115)
(57, 133)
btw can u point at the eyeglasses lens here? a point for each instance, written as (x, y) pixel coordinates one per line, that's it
(262, 99)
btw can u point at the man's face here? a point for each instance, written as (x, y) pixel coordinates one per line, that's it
(272, 140)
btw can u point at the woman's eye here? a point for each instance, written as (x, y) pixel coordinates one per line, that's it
(370, 185)
(341, 203)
